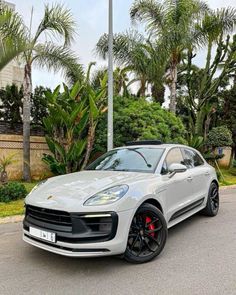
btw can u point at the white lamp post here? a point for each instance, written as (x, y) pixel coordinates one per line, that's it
(110, 79)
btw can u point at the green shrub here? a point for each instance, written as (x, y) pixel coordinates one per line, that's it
(12, 191)
(138, 119)
(219, 137)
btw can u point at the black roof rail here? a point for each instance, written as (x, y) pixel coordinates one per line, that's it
(144, 142)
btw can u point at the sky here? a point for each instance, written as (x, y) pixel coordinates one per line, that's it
(91, 17)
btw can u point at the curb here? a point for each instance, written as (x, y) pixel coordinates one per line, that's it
(11, 219)
(225, 187)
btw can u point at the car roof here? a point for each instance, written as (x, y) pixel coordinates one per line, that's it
(158, 146)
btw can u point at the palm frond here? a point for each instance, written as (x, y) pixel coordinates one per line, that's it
(226, 18)
(58, 58)
(150, 12)
(12, 36)
(216, 23)
(123, 45)
(57, 21)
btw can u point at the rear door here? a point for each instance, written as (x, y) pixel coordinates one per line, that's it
(199, 171)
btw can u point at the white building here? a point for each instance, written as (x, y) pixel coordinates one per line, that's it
(13, 73)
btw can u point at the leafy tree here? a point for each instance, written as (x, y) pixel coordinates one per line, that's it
(71, 124)
(96, 99)
(39, 105)
(65, 130)
(11, 104)
(228, 113)
(173, 24)
(200, 88)
(139, 119)
(215, 25)
(219, 137)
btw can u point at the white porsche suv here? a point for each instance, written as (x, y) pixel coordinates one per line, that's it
(123, 203)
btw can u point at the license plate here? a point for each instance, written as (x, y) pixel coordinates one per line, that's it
(42, 234)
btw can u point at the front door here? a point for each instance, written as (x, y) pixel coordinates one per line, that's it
(178, 188)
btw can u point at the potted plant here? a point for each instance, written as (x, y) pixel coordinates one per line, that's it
(5, 161)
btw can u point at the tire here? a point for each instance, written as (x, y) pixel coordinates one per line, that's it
(147, 235)
(212, 206)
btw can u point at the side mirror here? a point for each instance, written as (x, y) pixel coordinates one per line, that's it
(176, 168)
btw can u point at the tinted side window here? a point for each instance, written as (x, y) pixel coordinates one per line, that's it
(192, 159)
(174, 156)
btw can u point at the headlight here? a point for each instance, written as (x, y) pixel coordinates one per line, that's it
(107, 196)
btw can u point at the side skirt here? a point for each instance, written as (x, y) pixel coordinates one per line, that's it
(186, 209)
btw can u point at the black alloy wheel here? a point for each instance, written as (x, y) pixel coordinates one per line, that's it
(147, 235)
(213, 201)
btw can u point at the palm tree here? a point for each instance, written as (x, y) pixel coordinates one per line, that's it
(136, 54)
(121, 80)
(56, 22)
(12, 35)
(172, 24)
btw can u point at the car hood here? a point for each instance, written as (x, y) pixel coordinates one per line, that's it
(62, 191)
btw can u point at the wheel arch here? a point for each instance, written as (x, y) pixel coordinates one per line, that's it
(153, 202)
(216, 182)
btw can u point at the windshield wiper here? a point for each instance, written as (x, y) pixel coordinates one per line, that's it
(134, 150)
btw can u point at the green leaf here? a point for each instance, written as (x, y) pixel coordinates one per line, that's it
(50, 144)
(76, 150)
(76, 111)
(76, 90)
(79, 128)
(55, 93)
(93, 108)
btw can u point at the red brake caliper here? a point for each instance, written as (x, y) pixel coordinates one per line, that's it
(151, 226)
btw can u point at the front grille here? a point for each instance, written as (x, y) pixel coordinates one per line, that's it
(73, 227)
(50, 216)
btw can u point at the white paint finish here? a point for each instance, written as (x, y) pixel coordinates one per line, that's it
(69, 192)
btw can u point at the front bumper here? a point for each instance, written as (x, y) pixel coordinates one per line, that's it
(83, 244)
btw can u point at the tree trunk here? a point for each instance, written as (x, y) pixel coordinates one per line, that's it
(142, 89)
(207, 126)
(3, 177)
(90, 143)
(158, 93)
(199, 122)
(27, 85)
(173, 74)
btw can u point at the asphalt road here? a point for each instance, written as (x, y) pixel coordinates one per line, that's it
(199, 258)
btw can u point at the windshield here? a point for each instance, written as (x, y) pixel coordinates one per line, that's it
(139, 159)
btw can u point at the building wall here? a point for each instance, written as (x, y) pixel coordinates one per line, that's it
(13, 144)
(13, 73)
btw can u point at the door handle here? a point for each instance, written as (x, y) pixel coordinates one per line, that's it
(190, 178)
(207, 173)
